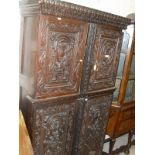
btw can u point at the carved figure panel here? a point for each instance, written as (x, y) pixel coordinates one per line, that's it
(61, 56)
(53, 129)
(93, 125)
(105, 58)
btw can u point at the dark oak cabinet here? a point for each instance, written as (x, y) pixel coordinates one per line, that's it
(69, 56)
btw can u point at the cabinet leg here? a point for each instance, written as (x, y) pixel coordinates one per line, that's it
(131, 133)
(111, 146)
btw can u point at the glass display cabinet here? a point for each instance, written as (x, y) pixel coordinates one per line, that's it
(122, 115)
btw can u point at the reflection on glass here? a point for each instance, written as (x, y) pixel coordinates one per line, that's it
(132, 68)
(133, 95)
(130, 90)
(129, 96)
(116, 92)
(125, 43)
(121, 65)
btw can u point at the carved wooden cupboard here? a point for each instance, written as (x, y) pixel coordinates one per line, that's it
(122, 114)
(69, 56)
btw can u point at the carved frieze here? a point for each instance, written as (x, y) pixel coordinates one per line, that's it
(69, 10)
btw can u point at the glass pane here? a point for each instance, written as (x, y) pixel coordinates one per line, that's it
(132, 68)
(133, 94)
(125, 43)
(116, 92)
(129, 96)
(121, 65)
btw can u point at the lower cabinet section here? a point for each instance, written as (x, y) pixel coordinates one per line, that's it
(68, 126)
(53, 125)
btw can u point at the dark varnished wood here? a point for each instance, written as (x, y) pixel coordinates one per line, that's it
(105, 56)
(60, 56)
(52, 125)
(56, 62)
(65, 103)
(112, 143)
(127, 151)
(93, 127)
(114, 114)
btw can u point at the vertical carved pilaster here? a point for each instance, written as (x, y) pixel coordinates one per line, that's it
(88, 59)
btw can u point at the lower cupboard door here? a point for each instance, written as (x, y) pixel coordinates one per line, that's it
(94, 122)
(54, 128)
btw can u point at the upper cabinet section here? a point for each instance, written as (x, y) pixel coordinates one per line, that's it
(68, 49)
(105, 56)
(60, 56)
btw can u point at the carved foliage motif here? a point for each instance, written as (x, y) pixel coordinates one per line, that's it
(60, 56)
(54, 130)
(93, 125)
(105, 58)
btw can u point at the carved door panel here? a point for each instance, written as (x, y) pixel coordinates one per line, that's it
(105, 57)
(60, 56)
(93, 126)
(53, 127)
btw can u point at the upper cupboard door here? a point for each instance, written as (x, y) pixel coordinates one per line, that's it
(60, 56)
(105, 57)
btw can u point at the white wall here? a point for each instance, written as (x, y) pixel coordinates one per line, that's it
(119, 7)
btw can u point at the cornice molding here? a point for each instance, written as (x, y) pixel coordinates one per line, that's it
(69, 10)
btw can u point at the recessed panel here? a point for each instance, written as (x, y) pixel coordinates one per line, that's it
(105, 57)
(54, 128)
(60, 58)
(94, 125)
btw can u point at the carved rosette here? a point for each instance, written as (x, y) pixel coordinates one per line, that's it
(105, 58)
(60, 58)
(53, 131)
(94, 124)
